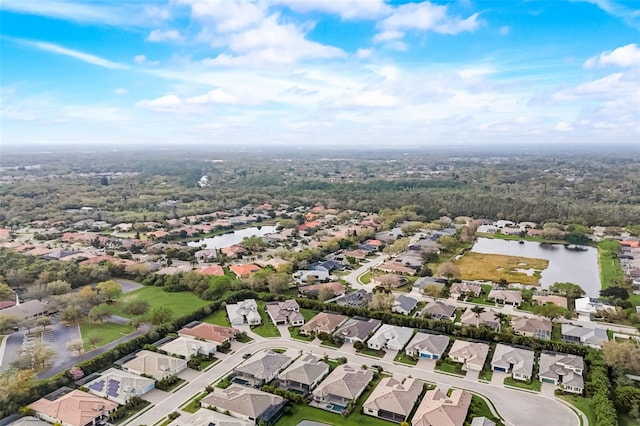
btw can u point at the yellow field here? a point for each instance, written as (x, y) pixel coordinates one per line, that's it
(494, 267)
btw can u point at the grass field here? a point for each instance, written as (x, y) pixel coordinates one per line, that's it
(610, 268)
(450, 367)
(218, 318)
(308, 313)
(482, 410)
(494, 267)
(181, 303)
(365, 278)
(583, 404)
(266, 329)
(106, 331)
(403, 358)
(534, 385)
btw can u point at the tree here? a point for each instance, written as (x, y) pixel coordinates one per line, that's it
(36, 292)
(615, 293)
(449, 270)
(550, 310)
(90, 296)
(325, 293)
(571, 290)
(477, 309)
(71, 314)
(7, 323)
(6, 292)
(41, 354)
(43, 322)
(500, 317)
(75, 346)
(93, 340)
(160, 315)
(278, 283)
(381, 301)
(137, 307)
(58, 287)
(624, 357)
(26, 323)
(433, 290)
(100, 313)
(76, 373)
(109, 289)
(15, 385)
(398, 246)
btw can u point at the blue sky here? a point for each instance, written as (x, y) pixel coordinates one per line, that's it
(314, 72)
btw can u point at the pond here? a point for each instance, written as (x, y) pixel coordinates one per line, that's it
(565, 265)
(232, 238)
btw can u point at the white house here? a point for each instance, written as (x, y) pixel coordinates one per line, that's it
(390, 337)
(244, 312)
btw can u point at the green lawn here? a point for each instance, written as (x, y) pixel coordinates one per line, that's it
(450, 367)
(295, 334)
(480, 408)
(266, 329)
(330, 344)
(372, 352)
(218, 318)
(308, 313)
(533, 385)
(486, 375)
(610, 268)
(403, 358)
(365, 278)
(583, 404)
(181, 303)
(106, 331)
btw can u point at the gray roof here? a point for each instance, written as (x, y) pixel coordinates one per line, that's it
(307, 369)
(243, 400)
(345, 381)
(406, 303)
(520, 361)
(591, 336)
(29, 421)
(439, 308)
(432, 343)
(264, 367)
(482, 421)
(393, 336)
(26, 309)
(556, 365)
(395, 396)
(358, 328)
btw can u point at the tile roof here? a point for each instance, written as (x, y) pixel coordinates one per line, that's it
(345, 381)
(473, 353)
(211, 332)
(323, 322)
(520, 361)
(243, 400)
(395, 396)
(265, 365)
(432, 343)
(357, 328)
(75, 408)
(438, 409)
(307, 369)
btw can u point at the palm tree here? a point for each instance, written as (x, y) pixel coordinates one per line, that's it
(477, 310)
(501, 318)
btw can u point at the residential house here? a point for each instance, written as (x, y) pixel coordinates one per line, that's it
(426, 345)
(246, 403)
(357, 299)
(328, 265)
(72, 408)
(391, 337)
(154, 364)
(304, 374)
(440, 409)
(188, 347)
(357, 329)
(393, 399)
(487, 318)
(261, 368)
(213, 333)
(589, 336)
(215, 270)
(244, 271)
(311, 277)
(482, 421)
(285, 313)
(29, 421)
(389, 281)
(233, 252)
(459, 289)
(543, 299)
(538, 327)
(395, 268)
(471, 354)
(506, 297)
(517, 361)
(439, 310)
(589, 306)
(119, 386)
(424, 282)
(205, 417)
(324, 322)
(244, 312)
(206, 255)
(343, 385)
(404, 304)
(27, 310)
(562, 370)
(356, 254)
(338, 289)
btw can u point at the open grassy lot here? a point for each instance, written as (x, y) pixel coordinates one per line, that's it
(266, 329)
(610, 268)
(181, 303)
(106, 331)
(494, 267)
(450, 367)
(365, 278)
(218, 318)
(583, 404)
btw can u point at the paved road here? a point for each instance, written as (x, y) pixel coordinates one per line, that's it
(518, 408)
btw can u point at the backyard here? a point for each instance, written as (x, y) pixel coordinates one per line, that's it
(218, 318)
(583, 404)
(496, 267)
(107, 332)
(266, 329)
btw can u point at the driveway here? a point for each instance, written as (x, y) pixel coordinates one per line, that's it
(127, 285)
(516, 407)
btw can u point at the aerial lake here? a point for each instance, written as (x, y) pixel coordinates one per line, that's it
(232, 238)
(575, 266)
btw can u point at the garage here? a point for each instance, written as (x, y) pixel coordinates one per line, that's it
(428, 356)
(544, 380)
(501, 369)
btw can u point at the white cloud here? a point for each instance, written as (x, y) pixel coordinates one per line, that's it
(346, 9)
(504, 30)
(226, 15)
(121, 91)
(563, 126)
(426, 16)
(134, 14)
(174, 103)
(167, 103)
(364, 53)
(216, 96)
(76, 54)
(624, 57)
(370, 98)
(387, 36)
(164, 35)
(143, 60)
